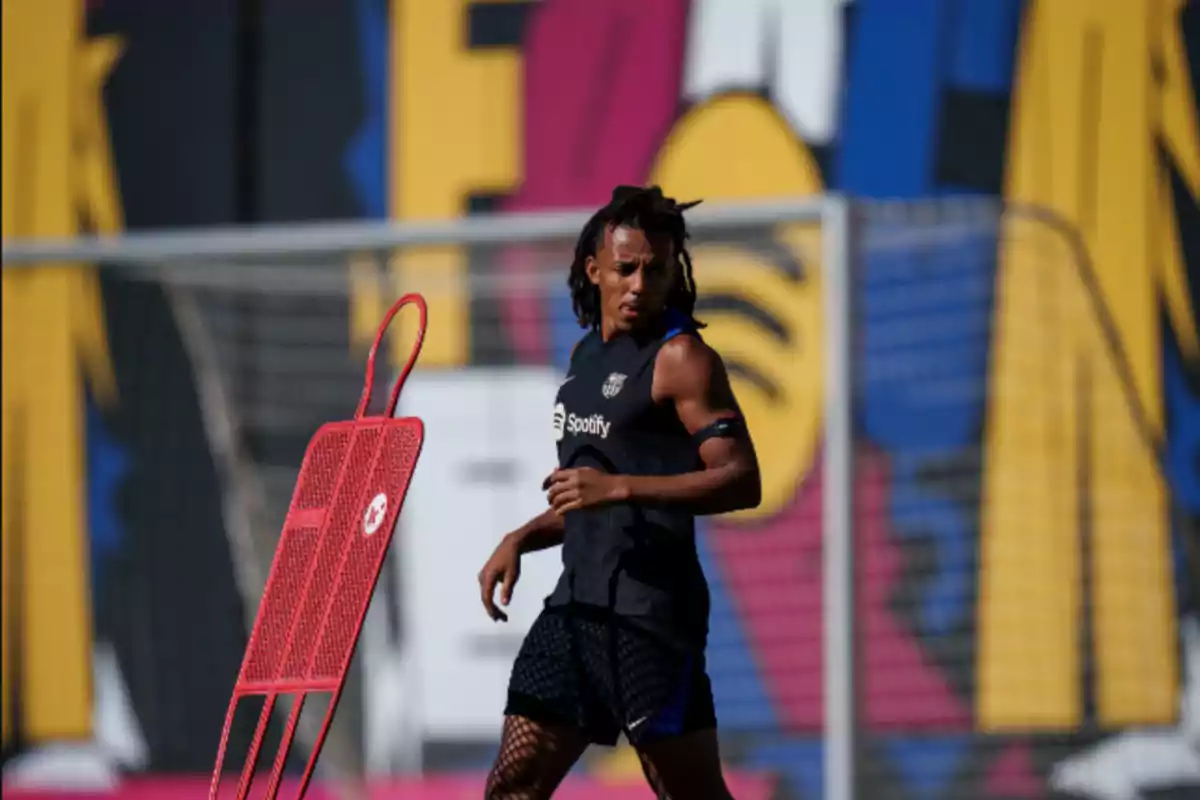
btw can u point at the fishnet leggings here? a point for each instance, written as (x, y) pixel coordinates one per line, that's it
(583, 674)
(534, 759)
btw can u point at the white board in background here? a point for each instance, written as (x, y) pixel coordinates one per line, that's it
(488, 445)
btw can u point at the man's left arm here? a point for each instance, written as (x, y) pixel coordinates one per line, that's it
(692, 375)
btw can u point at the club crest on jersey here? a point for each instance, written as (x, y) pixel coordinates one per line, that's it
(612, 385)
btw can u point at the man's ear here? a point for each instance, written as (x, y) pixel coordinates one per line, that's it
(592, 267)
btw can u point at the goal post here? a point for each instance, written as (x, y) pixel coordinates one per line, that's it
(964, 534)
(220, 283)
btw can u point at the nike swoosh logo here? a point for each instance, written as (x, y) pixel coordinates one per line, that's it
(637, 722)
(567, 380)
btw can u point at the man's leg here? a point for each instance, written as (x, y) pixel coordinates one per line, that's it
(685, 767)
(668, 713)
(533, 759)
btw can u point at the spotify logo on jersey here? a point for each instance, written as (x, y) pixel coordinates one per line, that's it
(565, 423)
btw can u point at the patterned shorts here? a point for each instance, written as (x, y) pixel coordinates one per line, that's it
(603, 674)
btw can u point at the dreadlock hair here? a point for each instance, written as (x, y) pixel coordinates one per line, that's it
(647, 210)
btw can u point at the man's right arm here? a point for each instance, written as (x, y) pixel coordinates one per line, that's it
(543, 531)
(504, 566)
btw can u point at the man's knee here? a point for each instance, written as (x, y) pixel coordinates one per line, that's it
(532, 760)
(516, 779)
(687, 766)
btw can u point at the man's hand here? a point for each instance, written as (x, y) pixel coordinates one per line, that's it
(573, 489)
(504, 568)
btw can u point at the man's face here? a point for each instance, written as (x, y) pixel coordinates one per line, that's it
(634, 272)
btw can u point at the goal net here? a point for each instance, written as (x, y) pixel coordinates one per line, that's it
(959, 573)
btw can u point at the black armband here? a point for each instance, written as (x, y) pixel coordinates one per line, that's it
(724, 428)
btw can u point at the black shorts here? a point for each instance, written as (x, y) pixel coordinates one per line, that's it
(603, 674)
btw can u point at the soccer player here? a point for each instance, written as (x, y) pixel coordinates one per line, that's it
(649, 435)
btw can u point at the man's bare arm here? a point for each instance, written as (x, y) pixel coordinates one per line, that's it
(543, 531)
(691, 374)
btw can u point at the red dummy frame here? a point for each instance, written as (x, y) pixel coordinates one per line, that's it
(349, 492)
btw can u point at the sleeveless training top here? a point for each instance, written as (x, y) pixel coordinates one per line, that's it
(633, 560)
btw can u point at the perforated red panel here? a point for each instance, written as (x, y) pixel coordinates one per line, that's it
(348, 495)
(319, 471)
(336, 535)
(280, 601)
(322, 579)
(367, 547)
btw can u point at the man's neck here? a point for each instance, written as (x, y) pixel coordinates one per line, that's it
(651, 328)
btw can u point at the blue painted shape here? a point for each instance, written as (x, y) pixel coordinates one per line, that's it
(926, 324)
(798, 761)
(1182, 462)
(984, 38)
(926, 317)
(1183, 432)
(892, 98)
(365, 160)
(925, 306)
(108, 465)
(944, 596)
(925, 764)
(739, 692)
(902, 57)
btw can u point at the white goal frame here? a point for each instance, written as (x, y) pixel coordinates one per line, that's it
(832, 212)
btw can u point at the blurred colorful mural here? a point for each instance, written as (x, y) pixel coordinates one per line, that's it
(984, 674)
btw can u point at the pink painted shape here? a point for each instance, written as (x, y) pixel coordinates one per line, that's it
(1013, 775)
(773, 572)
(441, 787)
(581, 58)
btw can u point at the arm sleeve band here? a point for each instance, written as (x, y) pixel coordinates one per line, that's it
(724, 428)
